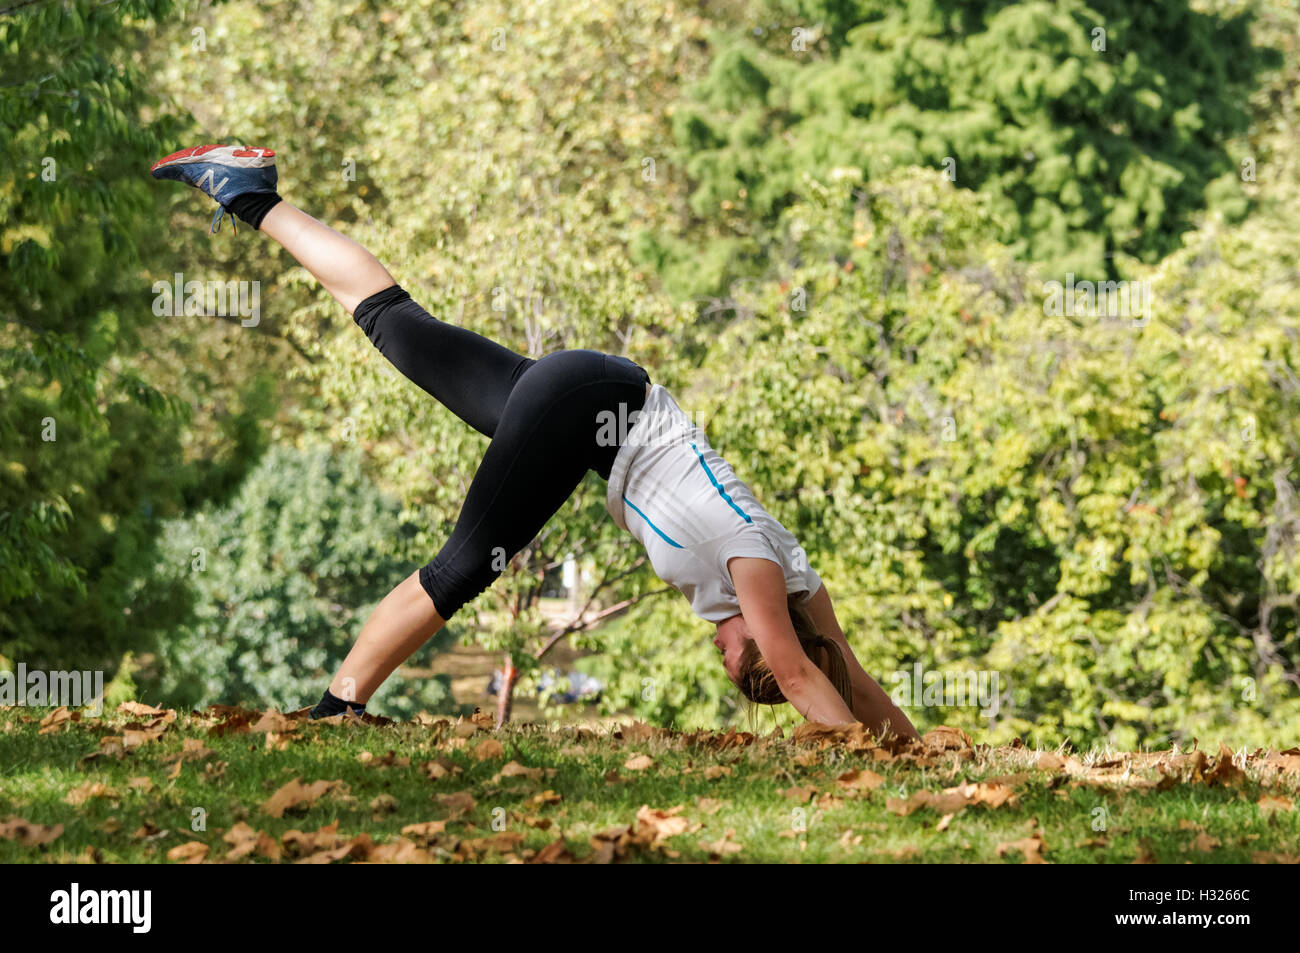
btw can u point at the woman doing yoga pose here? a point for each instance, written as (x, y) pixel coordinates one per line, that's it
(548, 421)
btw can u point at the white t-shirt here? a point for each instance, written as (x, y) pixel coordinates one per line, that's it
(675, 494)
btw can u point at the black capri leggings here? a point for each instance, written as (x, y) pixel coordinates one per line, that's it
(544, 418)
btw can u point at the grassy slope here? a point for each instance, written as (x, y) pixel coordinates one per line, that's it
(740, 796)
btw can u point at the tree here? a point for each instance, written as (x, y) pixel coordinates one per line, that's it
(93, 449)
(1098, 130)
(284, 577)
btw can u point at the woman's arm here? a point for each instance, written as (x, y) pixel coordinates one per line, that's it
(871, 705)
(760, 590)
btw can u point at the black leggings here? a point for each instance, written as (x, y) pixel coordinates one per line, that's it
(544, 417)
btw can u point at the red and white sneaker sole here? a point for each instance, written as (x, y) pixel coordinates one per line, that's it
(241, 156)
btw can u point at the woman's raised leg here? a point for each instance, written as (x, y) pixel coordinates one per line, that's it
(345, 269)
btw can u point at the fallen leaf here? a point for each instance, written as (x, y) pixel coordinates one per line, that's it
(28, 834)
(389, 760)
(462, 802)
(296, 794)
(945, 738)
(487, 749)
(191, 852)
(1203, 843)
(244, 841)
(662, 824)
(1032, 847)
(141, 710)
(638, 762)
(556, 852)
(399, 851)
(426, 830)
(1270, 805)
(91, 789)
(860, 780)
(516, 770)
(798, 792)
(273, 720)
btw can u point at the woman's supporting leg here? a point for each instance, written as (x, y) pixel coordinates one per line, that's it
(400, 624)
(543, 447)
(346, 270)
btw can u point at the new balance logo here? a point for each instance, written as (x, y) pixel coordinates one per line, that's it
(210, 177)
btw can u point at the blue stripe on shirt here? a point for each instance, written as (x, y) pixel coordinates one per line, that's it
(662, 534)
(718, 486)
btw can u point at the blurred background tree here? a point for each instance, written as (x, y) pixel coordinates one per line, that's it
(1098, 128)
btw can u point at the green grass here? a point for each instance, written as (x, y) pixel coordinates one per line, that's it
(1169, 810)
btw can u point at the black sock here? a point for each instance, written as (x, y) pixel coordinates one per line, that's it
(251, 207)
(330, 704)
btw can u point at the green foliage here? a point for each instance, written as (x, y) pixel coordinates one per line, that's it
(283, 577)
(1092, 146)
(92, 443)
(1101, 509)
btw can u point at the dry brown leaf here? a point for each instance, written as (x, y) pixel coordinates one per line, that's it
(141, 710)
(357, 848)
(244, 841)
(860, 780)
(273, 720)
(556, 852)
(28, 834)
(296, 794)
(426, 830)
(56, 720)
(516, 770)
(945, 738)
(388, 760)
(399, 851)
(724, 845)
(383, 804)
(1273, 857)
(1203, 843)
(462, 802)
(1270, 805)
(901, 853)
(191, 852)
(662, 824)
(91, 789)
(1050, 761)
(638, 762)
(798, 792)
(1225, 773)
(440, 768)
(488, 749)
(1032, 847)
